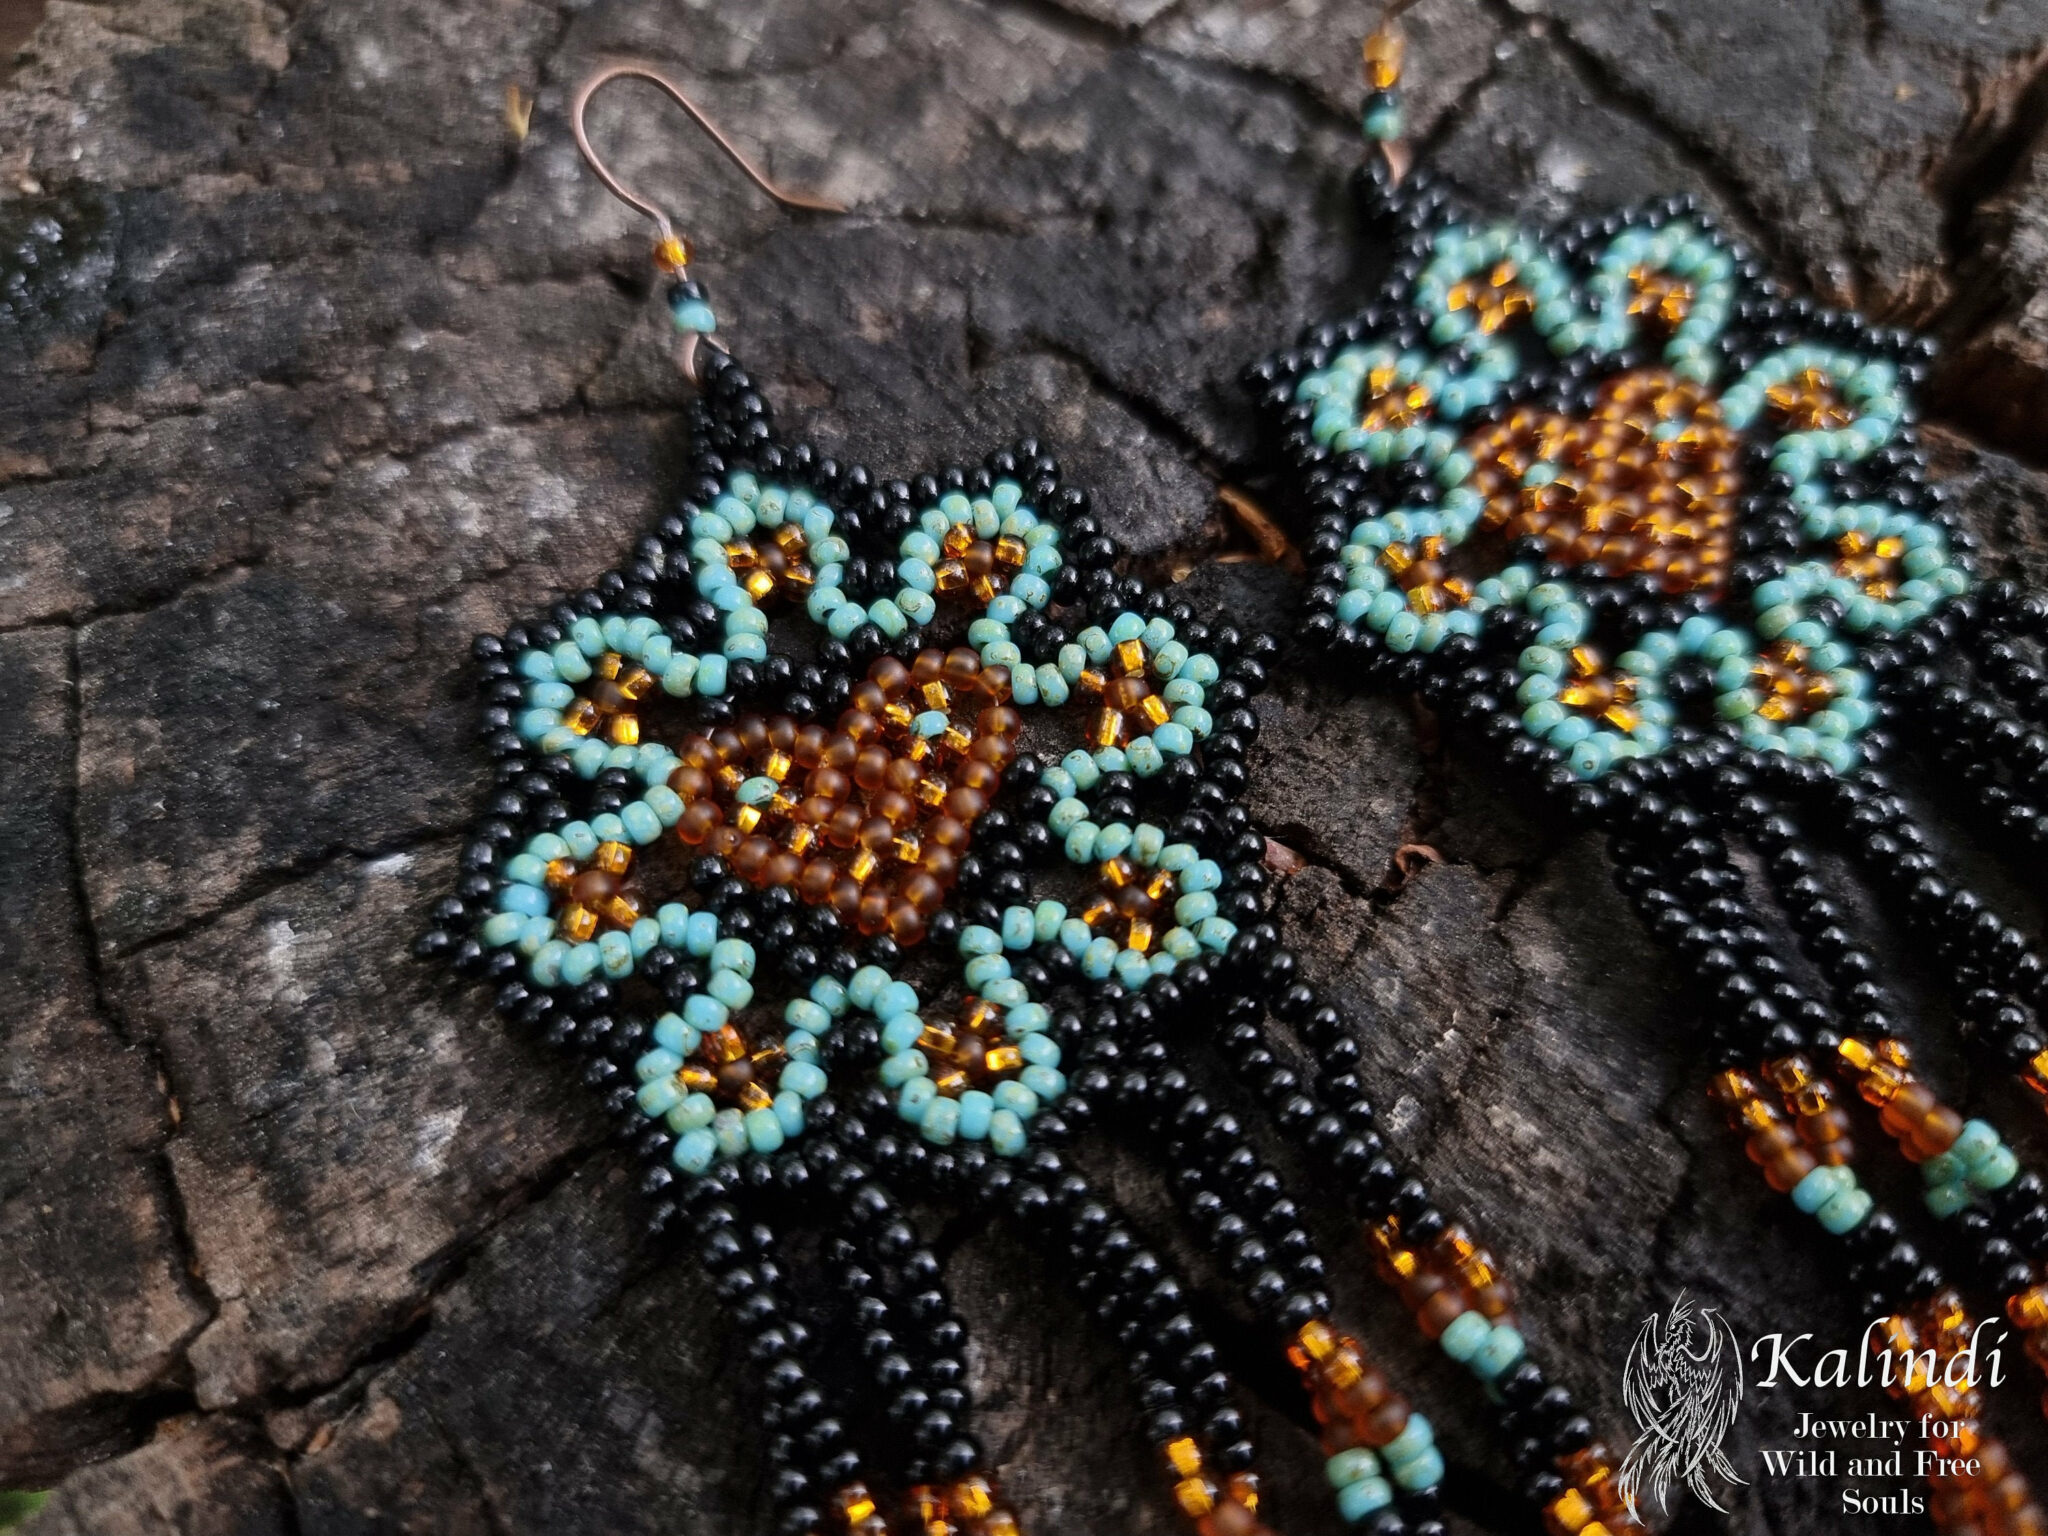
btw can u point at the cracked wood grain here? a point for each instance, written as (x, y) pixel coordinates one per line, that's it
(329, 374)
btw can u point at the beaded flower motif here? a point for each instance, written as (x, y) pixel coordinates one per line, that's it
(1608, 450)
(867, 819)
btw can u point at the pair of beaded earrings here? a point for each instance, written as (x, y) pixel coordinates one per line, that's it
(873, 839)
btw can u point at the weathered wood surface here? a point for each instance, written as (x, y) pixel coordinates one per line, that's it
(312, 370)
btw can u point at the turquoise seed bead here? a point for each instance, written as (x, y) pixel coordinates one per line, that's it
(694, 1112)
(901, 1032)
(977, 1111)
(1005, 1134)
(1944, 1200)
(1465, 1335)
(524, 900)
(894, 998)
(703, 1012)
(1018, 1100)
(1504, 1346)
(1039, 1049)
(916, 1093)
(866, 985)
(1416, 1436)
(695, 1151)
(1817, 1188)
(502, 928)
(730, 1127)
(764, 1131)
(658, 1097)
(615, 953)
(1995, 1170)
(731, 989)
(983, 969)
(735, 955)
(804, 1079)
(1976, 1138)
(1845, 1211)
(672, 1034)
(1347, 1467)
(902, 1067)
(1423, 1471)
(580, 964)
(641, 824)
(940, 1122)
(788, 1110)
(1355, 1501)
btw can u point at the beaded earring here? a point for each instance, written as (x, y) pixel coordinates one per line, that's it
(1661, 536)
(864, 837)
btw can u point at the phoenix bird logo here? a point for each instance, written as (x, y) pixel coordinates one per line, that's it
(1682, 1383)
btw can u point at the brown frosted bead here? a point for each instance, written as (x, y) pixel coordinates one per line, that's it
(965, 804)
(809, 745)
(994, 750)
(1439, 1312)
(750, 859)
(859, 726)
(829, 783)
(923, 892)
(1784, 1171)
(781, 733)
(999, 720)
(1229, 1518)
(815, 883)
(783, 868)
(902, 775)
(698, 819)
(925, 667)
(593, 888)
(1379, 1427)
(869, 766)
(975, 774)
(868, 698)
(690, 781)
(888, 674)
(871, 913)
(840, 752)
(844, 826)
(942, 864)
(947, 832)
(1936, 1132)
(962, 666)
(1771, 1140)
(995, 682)
(896, 808)
(816, 810)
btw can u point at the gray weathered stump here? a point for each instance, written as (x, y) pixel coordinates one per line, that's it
(313, 370)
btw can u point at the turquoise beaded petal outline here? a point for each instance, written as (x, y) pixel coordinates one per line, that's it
(705, 1133)
(1461, 378)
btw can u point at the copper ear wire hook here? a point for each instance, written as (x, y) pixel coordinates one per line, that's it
(632, 71)
(671, 249)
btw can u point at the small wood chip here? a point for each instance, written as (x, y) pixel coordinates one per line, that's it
(1283, 860)
(1273, 545)
(518, 112)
